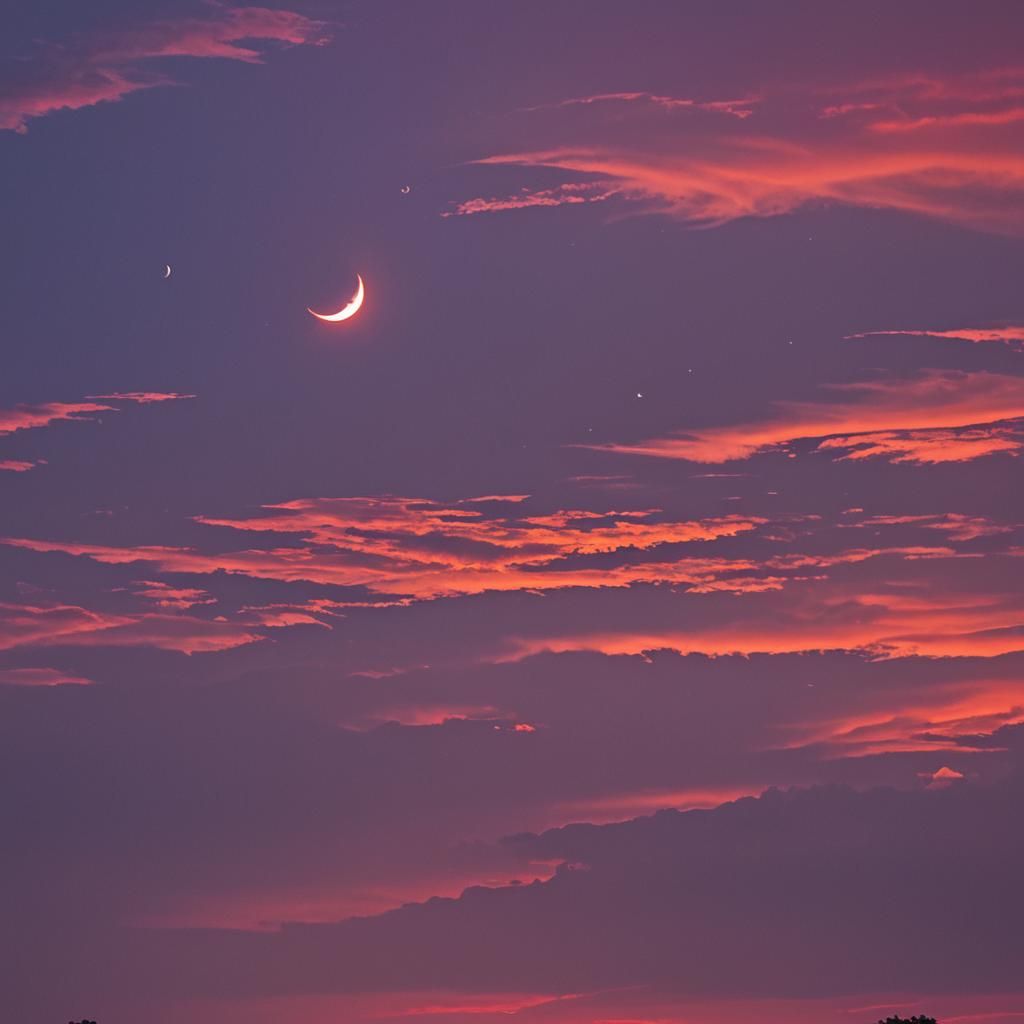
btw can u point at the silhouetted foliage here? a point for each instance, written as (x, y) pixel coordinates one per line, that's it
(908, 1020)
(83, 1021)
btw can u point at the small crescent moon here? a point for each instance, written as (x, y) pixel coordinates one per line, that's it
(167, 271)
(349, 311)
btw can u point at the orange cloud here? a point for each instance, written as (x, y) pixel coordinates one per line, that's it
(927, 409)
(928, 446)
(108, 66)
(424, 550)
(898, 620)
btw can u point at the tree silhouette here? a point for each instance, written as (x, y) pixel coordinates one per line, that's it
(900, 1020)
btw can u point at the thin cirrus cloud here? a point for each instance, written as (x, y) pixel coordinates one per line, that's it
(29, 417)
(106, 66)
(33, 417)
(741, 108)
(62, 625)
(920, 419)
(40, 677)
(950, 150)
(1009, 334)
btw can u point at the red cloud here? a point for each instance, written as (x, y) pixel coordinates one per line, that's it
(111, 65)
(950, 150)
(17, 465)
(914, 420)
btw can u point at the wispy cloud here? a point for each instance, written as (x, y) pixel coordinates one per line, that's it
(911, 420)
(106, 66)
(1008, 334)
(944, 149)
(28, 417)
(417, 549)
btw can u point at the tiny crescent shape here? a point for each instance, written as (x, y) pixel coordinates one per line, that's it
(349, 311)
(167, 271)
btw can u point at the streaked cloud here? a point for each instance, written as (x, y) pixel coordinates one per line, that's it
(106, 66)
(411, 548)
(1007, 334)
(949, 150)
(919, 419)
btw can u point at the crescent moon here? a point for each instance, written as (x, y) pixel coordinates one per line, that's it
(167, 271)
(349, 311)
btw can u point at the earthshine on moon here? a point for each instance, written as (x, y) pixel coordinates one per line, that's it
(349, 311)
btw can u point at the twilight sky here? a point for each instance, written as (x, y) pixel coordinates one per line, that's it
(619, 619)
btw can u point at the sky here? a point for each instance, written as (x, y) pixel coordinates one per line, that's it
(618, 620)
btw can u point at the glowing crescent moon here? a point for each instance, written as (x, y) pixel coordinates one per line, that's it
(167, 271)
(349, 311)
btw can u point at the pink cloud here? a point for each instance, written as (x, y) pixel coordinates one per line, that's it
(17, 465)
(50, 625)
(1007, 334)
(142, 397)
(27, 417)
(915, 420)
(107, 66)
(956, 525)
(742, 108)
(40, 677)
(967, 167)
(562, 195)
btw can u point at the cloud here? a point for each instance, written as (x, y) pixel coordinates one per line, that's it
(738, 902)
(40, 677)
(919, 419)
(1007, 334)
(55, 625)
(34, 416)
(561, 195)
(28, 417)
(418, 549)
(929, 447)
(741, 109)
(943, 149)
(957, 525)
(106, 66)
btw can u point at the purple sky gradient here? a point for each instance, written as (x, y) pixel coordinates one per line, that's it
(618, 619)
